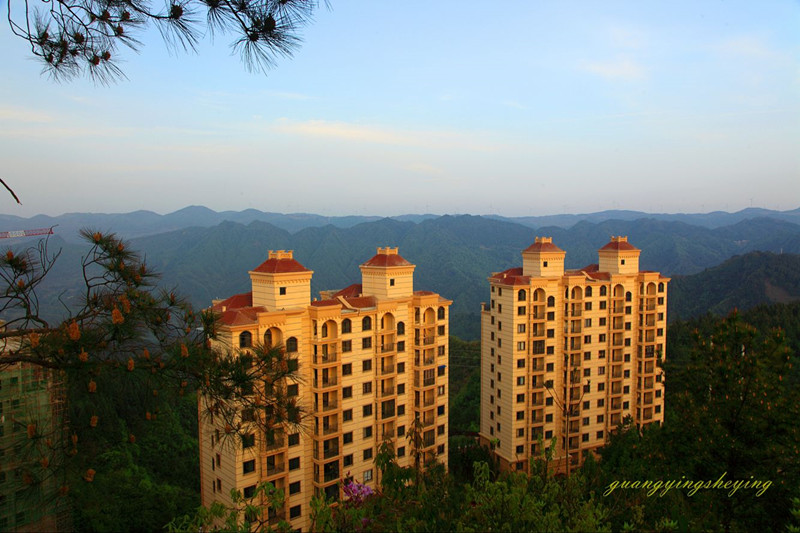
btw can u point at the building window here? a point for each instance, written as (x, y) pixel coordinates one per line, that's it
(366, 343)
(249, 492)
(521, 310)
(366, 365)
(401, 431)
(520, 415)
(401, 328)
(245, 339)
(347, 346)
(401, 388)
(294, 463)
(368, 456)
(347, 369)
(548, 417)
(367, 432)
(347, 438)
(440, 370)
(294, 439)
(367, 473)
(401, 451)
(249, 466)
(551, 333)
(520, 398)
(401, 368)
(521, 346)
(294, 487)
(401, 410)
(391, 282)
(499, 308)
(520, 363)
(248, 441)
(294, 512)
(291, 390)
(366, 324)
(367, 388)
(347, 392)
(347, 326)
(282, 291)
(367, 410)
(347, 460)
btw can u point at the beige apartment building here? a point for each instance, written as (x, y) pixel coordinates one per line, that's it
(568, 354)
(372, 358)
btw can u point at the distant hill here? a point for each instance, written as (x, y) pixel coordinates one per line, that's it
(143, 223)
(715, 219)
(454, 254)
(741, 282)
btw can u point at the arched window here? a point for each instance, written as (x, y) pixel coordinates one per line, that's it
(440, 313)
(521, 295)
(628, 296)
(366, 324)
(245, 339)
(416, 315)
(660, 287)
(291, 344)
(347, 326)
(566, 293)
(588, 292)
(268, 339)
(603, 290)
(324, 330)
(551, 301)
(401, 328)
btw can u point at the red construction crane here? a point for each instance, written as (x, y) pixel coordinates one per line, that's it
(25, 233)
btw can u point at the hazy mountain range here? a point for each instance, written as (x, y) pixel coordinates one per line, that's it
(454, 254)
(142, 223)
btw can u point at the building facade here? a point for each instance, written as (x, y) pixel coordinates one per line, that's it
(372, 360)
(569, 354)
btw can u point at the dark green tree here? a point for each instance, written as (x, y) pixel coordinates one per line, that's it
(85, 36)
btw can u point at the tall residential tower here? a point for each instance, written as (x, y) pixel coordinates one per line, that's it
(568, 354)
(372, 359)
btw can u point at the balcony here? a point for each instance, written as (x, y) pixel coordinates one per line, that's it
(328, 356)
(387, 369)
(325, 382)
(275, 469)
(386, 391)
(425, 340)
(329, 405)
(274, 444)
(329, 430)
(388, 347)
(330, 453)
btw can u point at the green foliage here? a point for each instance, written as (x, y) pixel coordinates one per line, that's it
(732, 414)
(740, 283)
(247, 514)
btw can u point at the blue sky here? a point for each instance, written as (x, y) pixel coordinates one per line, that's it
(521, 108)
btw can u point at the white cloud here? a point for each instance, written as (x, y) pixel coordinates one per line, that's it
(746, 46)
(348, 131)
(628, 37)
(620, 69)
(23, 115)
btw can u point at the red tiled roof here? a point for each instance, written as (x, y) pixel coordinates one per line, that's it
(351, 291)
(594, 267)
(237, 301)
(240, 317)
(362, 301)
(512, 276)
(323, 303)
(424, 293)
(542, 247)
(279, 266)
(619, 245)
(387, 260)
